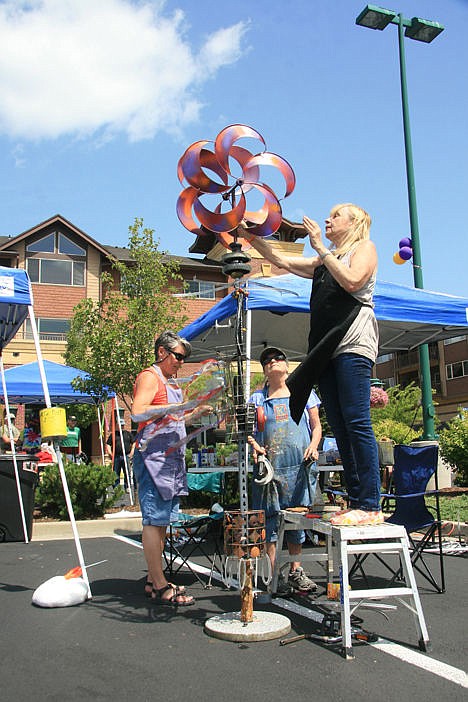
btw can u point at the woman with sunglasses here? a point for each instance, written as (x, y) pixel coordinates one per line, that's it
(161, 476)
(292, 449)
(343, 345)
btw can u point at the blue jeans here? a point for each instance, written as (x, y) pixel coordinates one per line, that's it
(345, 390)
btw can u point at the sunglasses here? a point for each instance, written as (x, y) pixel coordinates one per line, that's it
(177, 356)
(275, 357)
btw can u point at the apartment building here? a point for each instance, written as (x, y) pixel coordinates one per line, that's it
(449, 373)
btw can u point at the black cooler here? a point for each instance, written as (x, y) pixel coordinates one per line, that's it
(11, 525)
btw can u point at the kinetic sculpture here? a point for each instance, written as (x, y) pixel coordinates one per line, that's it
(211, 174)
(231, 212)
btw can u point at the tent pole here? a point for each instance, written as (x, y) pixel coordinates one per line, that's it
(122, 446)
(101, 431)
(66, 491)
(13, 452)
(248, 353)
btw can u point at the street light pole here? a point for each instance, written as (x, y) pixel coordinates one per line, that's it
(421, 30)
(424, 363)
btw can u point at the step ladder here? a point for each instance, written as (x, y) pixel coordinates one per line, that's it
(342, 542)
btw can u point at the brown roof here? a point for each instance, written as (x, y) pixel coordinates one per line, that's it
(121, 253)
(288, 231)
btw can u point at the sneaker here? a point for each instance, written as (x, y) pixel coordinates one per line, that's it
(357, 517)
(298, 580)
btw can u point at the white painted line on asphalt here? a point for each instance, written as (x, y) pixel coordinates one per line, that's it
(443, 670)
(128, 540)
(455, 675)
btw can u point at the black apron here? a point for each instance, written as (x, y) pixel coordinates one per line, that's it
(332, 311)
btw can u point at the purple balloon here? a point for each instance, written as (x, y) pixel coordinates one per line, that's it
(406, 241)
(406, 252)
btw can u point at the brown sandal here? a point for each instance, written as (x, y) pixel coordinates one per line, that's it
(175, 600)
(149, 589)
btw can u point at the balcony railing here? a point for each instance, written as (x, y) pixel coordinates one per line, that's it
(47, 337)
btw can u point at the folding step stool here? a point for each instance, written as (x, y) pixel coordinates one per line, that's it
(348, 541)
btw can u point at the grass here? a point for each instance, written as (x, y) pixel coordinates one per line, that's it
(452, 509)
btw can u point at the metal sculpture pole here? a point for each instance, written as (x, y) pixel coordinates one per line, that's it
(234, 226)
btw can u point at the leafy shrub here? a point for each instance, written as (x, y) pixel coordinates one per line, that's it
(87, 485)
(404, 405)
(398, 432)
(453, 442)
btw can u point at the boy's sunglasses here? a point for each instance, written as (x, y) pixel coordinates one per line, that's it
(275, 357)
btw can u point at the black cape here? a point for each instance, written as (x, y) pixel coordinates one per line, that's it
(332, 311)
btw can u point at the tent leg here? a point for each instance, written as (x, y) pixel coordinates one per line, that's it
(13, 452)
(71, 514)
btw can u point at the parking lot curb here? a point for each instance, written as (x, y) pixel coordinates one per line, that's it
(87, 529)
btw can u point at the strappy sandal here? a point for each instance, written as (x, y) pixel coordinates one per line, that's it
(149, 589)
(174, 601)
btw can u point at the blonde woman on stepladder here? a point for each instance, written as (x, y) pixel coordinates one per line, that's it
(343, 345)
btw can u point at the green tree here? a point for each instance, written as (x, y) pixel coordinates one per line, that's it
(453, 442)
(112, 339)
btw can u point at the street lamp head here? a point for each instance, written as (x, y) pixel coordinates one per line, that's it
(375, 17)
(423, 30)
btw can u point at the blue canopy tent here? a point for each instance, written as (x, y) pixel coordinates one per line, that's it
(24, 384)
(16, 303)
(277, 315)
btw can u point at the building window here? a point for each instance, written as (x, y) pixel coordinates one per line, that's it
(384, 358)
(459, 369)
(49, 329)
(202, 289)
(63, 263)
(56, 242)
(56, 271)
(454, 340)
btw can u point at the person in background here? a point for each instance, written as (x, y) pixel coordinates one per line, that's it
(343, 345)
(30, 436)
(293, 451)
(71, 445)
(5, 434)
(159, 469)
(114, 447)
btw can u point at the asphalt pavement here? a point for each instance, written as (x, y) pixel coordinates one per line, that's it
(120, 646)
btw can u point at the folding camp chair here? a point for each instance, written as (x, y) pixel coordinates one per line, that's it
(413, 467)
(193, 536)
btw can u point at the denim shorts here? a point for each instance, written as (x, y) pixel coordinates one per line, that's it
(154, 510)
(295, 536)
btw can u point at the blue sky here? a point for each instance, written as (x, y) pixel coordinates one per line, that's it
(99, 101)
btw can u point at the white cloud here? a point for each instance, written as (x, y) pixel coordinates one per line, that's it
(87, 67)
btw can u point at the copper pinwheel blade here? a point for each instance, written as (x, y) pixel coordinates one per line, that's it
(228, 136)
(195, 145)
(190, 166)
(184, 210)
(269, 159)
(273, 213)
(249, 175)
(220, 222)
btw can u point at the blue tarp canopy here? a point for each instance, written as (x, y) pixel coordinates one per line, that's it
(24, 384)
(15, 298)
(279, 308)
